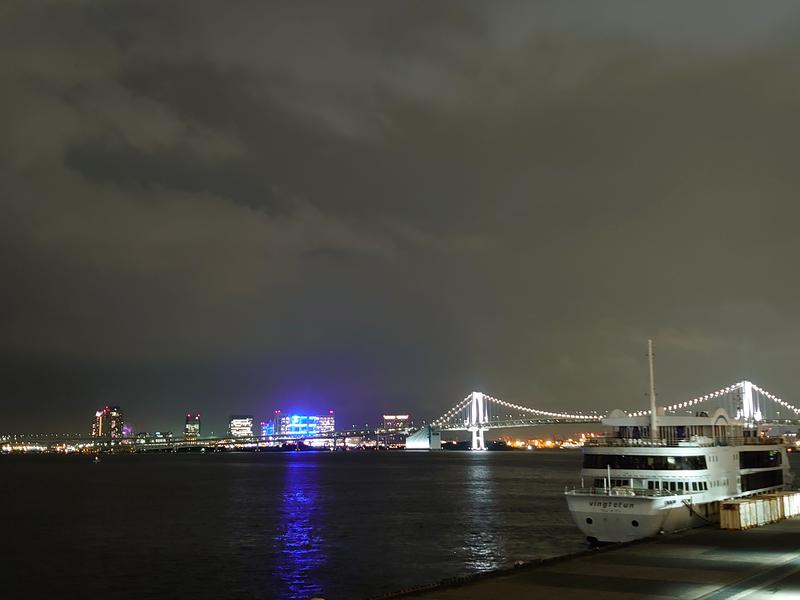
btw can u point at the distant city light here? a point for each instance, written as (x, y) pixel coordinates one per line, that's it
(240, 426)
(306, 425)
(191, 429)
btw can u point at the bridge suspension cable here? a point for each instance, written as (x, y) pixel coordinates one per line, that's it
(748, 402)
(536, 411)
(464, 406)
(743, 387)
(774, 398)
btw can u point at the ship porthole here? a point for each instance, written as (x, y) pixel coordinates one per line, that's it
(589, 520)
(635, 523)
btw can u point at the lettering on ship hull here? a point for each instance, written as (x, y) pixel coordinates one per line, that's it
(606, 504)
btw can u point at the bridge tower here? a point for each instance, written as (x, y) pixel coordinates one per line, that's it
(478, 420)
(750, 409)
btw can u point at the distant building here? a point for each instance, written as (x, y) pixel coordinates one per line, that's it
(395, 422)
(240, 426)
(306, 425)
(127, 430)
(157, 437)
(108, 423)
(326, 423)
(267, 428)
(99, 425)
(393, 429)
(191, 430)
(116, 423)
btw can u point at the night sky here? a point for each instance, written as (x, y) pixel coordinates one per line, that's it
(232, 207)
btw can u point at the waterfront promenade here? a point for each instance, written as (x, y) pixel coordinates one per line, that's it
(701, 564)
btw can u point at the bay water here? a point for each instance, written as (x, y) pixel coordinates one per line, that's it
(282, 526)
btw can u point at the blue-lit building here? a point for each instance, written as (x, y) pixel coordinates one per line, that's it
(306, 425)
(267, 428)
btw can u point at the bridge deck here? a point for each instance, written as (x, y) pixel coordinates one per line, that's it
(707, 564)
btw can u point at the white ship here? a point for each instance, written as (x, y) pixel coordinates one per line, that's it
(659, 473)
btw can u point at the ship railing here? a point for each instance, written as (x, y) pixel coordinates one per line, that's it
(691, 442)
(621, 492)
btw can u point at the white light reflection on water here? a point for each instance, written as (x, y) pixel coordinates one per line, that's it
(299, 544)
(483, 546)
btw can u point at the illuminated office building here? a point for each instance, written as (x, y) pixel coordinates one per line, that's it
(306, 425)
(160, 437)
(116, 423)
(108, 423)
(326, 423)
(267, 428)
(396, 422)
(240, 426)
(99, 425)
(191, 430)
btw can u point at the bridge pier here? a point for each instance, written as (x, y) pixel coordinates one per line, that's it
(478, 440)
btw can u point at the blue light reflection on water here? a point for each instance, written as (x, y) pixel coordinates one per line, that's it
(299, 543)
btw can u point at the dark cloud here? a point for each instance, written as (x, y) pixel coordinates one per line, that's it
(237, 206)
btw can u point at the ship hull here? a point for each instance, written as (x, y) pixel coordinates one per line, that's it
(609, 519)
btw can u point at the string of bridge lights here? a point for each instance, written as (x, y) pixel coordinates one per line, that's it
(453, 411)
(774, 398)
(717, 394)
(537, 411)
(463, 405)
(639, 413)
(692, 402)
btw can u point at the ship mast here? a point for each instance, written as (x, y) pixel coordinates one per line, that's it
(653, 423)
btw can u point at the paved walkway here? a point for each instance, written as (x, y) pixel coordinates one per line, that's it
(702, 564)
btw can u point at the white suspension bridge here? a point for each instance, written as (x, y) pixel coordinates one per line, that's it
(479, 413)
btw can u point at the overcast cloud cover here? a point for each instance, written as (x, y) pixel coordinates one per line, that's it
(238, 206)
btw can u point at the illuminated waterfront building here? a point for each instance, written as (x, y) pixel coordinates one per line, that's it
(240, 426)
(115, 422)
(396, 422)
(100, 423)
(393, 430)
(191, 430)
(267, 428)
(108, 423)
(155, 437)
(306, 425)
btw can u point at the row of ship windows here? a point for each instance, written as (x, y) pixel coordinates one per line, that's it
(694, 486)
(673, 486)
(759, 459)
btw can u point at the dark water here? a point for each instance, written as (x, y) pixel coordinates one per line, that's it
(283, 526)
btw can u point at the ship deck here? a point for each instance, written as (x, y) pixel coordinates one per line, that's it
(700, 564)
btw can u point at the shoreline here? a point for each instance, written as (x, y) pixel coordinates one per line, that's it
(519, 566)
(704, 563)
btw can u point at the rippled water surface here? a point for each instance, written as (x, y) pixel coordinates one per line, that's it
(283, 526)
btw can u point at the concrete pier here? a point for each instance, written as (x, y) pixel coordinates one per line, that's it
(701, 564)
